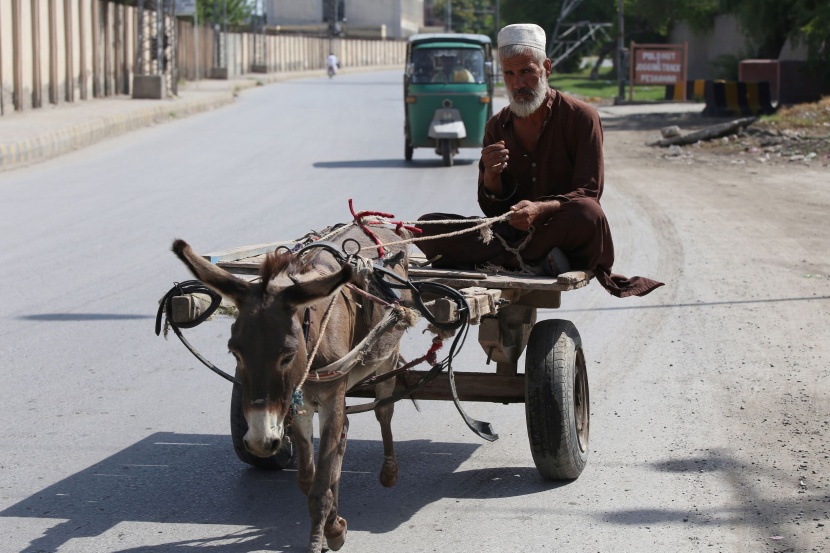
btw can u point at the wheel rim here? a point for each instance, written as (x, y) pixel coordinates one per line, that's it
(581, 402)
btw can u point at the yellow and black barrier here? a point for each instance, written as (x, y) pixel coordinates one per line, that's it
(694, 91)
(738, 98)
(726, 98)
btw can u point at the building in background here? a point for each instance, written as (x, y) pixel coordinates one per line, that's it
(397, 19)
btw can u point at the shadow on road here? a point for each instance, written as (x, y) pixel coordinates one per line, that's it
(697, 304)
(389, 163)
(757, 510)
(73, 317)
(188, 479)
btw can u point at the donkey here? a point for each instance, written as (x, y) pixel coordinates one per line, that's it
(272, 349)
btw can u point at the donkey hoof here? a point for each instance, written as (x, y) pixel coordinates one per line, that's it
(337, 536)
(389, 473)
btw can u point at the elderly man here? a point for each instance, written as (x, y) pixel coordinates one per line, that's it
(542, 161)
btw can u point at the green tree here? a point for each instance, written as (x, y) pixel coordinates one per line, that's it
(814, 27)
(541, 13)
(469, 16)
(236, 12)
(769, 23)
(766, 23)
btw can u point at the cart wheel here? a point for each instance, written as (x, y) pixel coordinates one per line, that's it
(446, 152)
(556, 400)
(407, 151)
(239, 426)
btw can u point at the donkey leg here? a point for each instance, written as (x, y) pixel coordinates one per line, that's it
(303, 431)
(389, 471)
(321, 500)
(335, 528)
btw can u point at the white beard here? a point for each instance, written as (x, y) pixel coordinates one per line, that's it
(524, 108)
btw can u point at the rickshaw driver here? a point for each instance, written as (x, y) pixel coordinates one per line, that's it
(448, 71)
(542, 161)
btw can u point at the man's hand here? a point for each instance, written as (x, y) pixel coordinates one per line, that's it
(494, 157)
(525, 213)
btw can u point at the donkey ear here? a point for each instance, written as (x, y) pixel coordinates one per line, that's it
(216, 279)
(305, 293)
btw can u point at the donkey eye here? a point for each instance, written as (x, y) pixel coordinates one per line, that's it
(288, 359)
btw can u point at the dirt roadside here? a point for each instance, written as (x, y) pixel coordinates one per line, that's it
(797, 134)
(744, 341)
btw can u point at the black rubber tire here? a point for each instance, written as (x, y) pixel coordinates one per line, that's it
(408, 149)
(557, 402)
(446, 152)
(283, 459)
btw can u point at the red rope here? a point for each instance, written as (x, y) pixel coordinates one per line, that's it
(430, 357)
(437, 343)
(357, 219)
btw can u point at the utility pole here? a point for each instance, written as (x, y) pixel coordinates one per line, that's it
(160, 38)
(449, 16)
(620, 53)
(196, 39)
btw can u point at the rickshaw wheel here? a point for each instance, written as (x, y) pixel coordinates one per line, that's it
(408, 149)
(283, 459)
(557, 405)
(446, 152)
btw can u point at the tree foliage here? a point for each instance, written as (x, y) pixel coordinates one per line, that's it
(469, 16)
(768, 24)
(235, 12)
(814, 26)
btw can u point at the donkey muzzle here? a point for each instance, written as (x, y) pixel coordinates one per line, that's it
(265, 433)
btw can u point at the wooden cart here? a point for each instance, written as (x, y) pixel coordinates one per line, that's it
(553, 386)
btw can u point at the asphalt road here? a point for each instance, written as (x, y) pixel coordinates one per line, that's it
(710, 412)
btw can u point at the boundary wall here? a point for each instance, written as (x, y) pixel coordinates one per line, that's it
(57, 51)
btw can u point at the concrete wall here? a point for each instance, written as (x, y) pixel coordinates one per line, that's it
(401, 18)
(294, 12)
(725, 39)
(376, 12)
(412, 17)
(55, 51)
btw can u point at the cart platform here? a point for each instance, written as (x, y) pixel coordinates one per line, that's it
(553, 386)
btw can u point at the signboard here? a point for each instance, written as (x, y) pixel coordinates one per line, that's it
(658, 64)
(186, 7)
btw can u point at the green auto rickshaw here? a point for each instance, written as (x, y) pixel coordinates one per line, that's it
(448, 92)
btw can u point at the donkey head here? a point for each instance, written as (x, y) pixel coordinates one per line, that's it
(267, 338)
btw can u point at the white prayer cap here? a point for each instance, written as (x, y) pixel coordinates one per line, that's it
(524, 34)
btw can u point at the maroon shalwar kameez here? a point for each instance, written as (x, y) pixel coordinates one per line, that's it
(566, 165)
